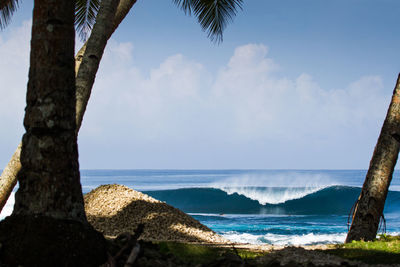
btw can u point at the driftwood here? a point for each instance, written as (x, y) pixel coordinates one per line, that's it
(131, 246)
(133, 255)
(136, 246)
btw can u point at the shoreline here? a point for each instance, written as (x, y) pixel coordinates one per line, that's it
(115, 209)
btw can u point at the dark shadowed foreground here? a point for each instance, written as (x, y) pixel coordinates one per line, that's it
(70, 243)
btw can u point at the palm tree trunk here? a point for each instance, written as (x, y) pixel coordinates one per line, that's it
(96, 44)
(49, 177)
(8, 178)
(372, 199)
(48, 226)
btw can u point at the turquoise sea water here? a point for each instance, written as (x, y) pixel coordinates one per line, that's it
(257, 206)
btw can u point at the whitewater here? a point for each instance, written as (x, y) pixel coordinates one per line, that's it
(279, 207)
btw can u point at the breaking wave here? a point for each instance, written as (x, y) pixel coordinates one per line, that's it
(268, 200)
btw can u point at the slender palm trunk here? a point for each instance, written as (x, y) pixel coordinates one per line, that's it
(372, 199)
(8, 178)
(95, 46)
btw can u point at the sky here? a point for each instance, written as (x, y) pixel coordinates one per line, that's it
(294, 85)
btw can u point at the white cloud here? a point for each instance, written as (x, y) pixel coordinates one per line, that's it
(14, 62)
(264, 105)
(180, 108)
(179, 115)
(153, 105)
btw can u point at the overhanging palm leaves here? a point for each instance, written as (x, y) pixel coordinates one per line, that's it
(85, 16)
(7, 8)
(213, 15)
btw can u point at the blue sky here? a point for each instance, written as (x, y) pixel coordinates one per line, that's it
(295, 84)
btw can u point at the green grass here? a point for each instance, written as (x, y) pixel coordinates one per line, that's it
(248, 254)
(384, 250)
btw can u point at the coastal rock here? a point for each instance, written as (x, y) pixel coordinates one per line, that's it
(115, 209)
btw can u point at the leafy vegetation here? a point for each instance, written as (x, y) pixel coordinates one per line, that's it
(7, 9)
(386, 250)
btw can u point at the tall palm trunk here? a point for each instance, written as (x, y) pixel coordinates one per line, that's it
(48, 226)
(8, 178)
(49, 180)
(371, 202)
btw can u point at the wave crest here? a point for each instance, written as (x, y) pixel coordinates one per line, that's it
(275, 188)
(333, 200)
(271, 195)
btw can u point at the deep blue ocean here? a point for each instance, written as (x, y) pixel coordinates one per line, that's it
(281, 207)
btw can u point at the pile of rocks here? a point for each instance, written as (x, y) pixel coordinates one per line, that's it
(115, 209)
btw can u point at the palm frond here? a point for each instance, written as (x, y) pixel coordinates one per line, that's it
(213, 15)
(85, 16)
(7, 8)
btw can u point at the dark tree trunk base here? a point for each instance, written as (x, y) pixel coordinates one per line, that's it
(45, 241)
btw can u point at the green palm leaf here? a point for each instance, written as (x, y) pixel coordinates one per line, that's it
(7, 8)
(85, 16)
(213, 15)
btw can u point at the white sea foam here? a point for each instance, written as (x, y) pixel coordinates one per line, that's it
(286, 240)
(394, 188)
(275, 188)
(8, 208)
(272, 195)
(290, 240)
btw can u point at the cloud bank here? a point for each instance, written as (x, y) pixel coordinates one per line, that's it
(180, 115)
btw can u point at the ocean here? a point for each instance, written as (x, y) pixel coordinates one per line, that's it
(280, 207)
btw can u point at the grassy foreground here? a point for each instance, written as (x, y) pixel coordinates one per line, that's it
(385, 250)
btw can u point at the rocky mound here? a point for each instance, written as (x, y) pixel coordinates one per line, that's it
(115, 209)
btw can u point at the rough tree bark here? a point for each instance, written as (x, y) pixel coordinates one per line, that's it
(372, 199)
(49, 197)
(49, 176)
(8, 178)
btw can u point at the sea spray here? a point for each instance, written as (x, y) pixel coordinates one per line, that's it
(274, 188)
(271, 195)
